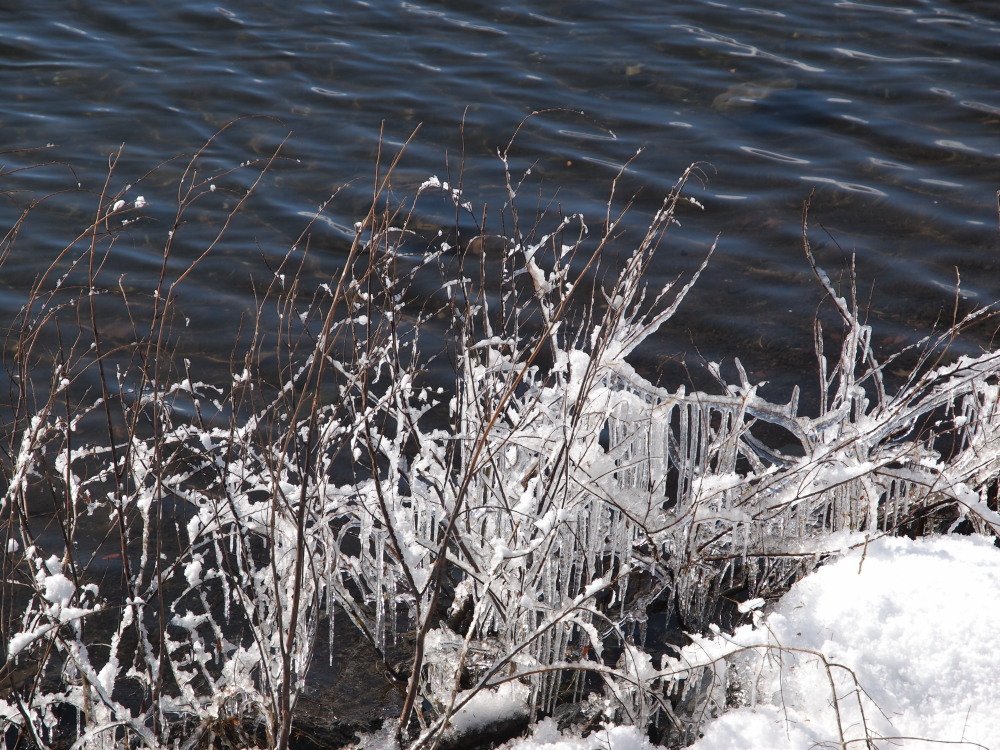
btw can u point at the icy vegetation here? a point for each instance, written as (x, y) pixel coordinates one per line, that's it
(887, 648)
(519, 526)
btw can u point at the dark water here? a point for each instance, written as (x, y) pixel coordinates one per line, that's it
(889, 111)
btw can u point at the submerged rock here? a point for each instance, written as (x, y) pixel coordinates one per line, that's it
(744, 96)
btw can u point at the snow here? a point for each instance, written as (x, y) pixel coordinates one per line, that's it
(914, 621)
(57, 588)
(193, 570)
(488, 706)
(546, 736)
(20, 640)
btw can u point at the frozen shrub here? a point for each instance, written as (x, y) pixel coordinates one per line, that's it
(521, 523)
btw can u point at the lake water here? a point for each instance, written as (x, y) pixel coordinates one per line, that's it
(890, 112)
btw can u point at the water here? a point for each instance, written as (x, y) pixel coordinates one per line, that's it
(889, 112)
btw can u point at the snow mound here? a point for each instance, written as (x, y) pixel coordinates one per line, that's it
(907, 633)
(546, 736)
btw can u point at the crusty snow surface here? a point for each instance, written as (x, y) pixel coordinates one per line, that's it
(916, 622)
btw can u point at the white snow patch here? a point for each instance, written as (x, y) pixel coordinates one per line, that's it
(915, 621)
(56, 587)
(18, 642)
(546, 736)
(490, 706)
(192, 571)
(751, 605)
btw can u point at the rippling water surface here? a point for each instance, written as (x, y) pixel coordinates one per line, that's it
(890, 112)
